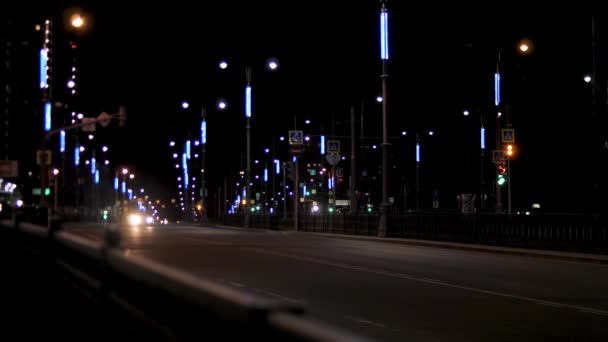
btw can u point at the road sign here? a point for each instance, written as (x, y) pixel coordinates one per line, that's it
(498, 156)
(333, 159)
(88, 124)
(508, 136)
(297, 150)
(43, 156)
(296, 137)
(333, 146)
(104, 119)
(8, 169)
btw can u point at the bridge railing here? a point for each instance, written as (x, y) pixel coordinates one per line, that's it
(535, 230)
(166, 303)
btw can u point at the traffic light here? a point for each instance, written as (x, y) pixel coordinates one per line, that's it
(47, 192)
(501, 180)
(509, 150)
(104, 215)
(502, 171)
(290, 170)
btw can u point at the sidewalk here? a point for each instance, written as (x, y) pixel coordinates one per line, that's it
(539, 253)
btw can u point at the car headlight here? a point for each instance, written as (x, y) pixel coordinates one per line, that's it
(149, 220)
(134, 219)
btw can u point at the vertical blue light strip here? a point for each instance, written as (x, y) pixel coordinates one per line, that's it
(244, 193)
(115, 183)
(185, 167)
(277, 166)
(248, 101)
(204, 132)
(265, 175)
(483, 138)
(304, 191)
(188, 149)
(322, 145)
(329, 183)
(130, 194)
(77, 155)
(47, 116)
(124, 187)
(497, 89)
(62, 141)
(384, 34)
(93, 165)
(43, 64)
(417, 153)
(96, 176)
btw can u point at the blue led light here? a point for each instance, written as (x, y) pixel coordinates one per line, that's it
(384, 34)
(248, 101)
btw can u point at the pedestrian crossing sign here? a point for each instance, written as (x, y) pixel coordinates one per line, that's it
(508, 136)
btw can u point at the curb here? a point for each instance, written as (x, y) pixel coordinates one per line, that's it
(595, 258)
(537, 253)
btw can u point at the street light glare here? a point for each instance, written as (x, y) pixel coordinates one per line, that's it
(524, 47)
(77, 21)
(431, 133)
(223, 65)
(125, 171)
(404, 133)
(272, 64)
(587, 79)
(466, 113)
(221, 104)
(71, 84)
(379, 99)
(185, 105)
(131, 176)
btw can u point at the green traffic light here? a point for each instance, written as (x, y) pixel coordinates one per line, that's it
(501, 180)
(47, 191)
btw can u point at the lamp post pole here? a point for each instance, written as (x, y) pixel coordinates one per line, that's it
(385, 144)
(248, 128)
(203, 168)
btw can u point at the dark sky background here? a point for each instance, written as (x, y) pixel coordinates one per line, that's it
(150, 57)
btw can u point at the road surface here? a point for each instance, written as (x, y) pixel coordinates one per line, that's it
(392, 292)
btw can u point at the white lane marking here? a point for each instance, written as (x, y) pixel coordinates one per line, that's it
(277, 295)
(435, 282)
(366, 321)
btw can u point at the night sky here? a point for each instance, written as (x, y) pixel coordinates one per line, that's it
(152, 57)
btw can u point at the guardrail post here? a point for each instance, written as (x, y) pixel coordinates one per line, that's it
(54, 225)
(112, 237)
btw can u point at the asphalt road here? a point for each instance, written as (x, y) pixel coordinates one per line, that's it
(393, 292)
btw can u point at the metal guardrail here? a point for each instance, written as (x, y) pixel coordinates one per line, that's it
(585, 233)
(169, 304)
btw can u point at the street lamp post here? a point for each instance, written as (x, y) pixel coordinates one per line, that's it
(385, 144)
(203, 219)
(272, 64)
(248, 167)
(417, 171)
